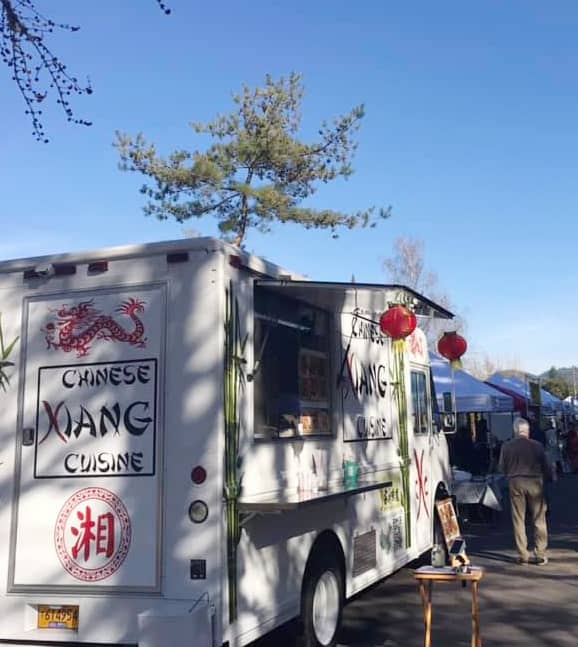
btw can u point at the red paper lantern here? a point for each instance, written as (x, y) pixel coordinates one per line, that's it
(452, 346)
(398, 322)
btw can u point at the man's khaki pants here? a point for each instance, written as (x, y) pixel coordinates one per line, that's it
(528, 491)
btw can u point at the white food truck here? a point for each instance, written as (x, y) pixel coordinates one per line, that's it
(197, 446)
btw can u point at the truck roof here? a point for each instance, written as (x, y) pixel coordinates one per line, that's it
(273, 276)
(208, 244)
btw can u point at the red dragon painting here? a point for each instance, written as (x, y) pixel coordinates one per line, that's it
(77, 326)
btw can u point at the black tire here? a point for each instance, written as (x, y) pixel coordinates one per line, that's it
(322, 601)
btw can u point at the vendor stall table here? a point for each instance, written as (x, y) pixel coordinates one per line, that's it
(427, 575)
(485, 491)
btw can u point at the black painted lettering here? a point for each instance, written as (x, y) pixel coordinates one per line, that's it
(129, 376)
(122, 461)
(363, 386)
(105, 462)
(86, 421)
(113, 418)
(87, 463)
(381, 380)
(136, 461)
(131, 420)
(101, 376)
(371, 427)
(71, 463)
(361, 329)
(85, 378)
(68, 378)
(143, 373)
(372, 381)
(115, 375)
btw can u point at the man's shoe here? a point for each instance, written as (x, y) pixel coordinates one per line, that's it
(541, 561)
(521, 561)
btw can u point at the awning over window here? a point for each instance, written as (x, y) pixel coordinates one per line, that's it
(371, 297)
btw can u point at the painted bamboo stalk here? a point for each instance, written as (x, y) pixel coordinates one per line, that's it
(401, 401)
(5, 352)
(232, 385)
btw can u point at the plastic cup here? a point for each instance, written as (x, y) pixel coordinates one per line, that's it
(350, 473)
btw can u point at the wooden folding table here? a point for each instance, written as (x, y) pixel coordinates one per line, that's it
(427, 575)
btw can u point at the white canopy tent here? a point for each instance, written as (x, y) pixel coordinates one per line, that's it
(571, 406)
(551, 402)
(471, 394)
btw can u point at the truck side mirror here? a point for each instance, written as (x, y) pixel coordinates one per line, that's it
(449, 423)
(448, 417)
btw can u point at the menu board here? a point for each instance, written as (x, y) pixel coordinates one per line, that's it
(314, 391)
(449, 521)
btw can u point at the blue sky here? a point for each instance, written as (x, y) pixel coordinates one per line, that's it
(470, 134)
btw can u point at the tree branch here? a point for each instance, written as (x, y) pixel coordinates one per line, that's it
(244, 212)
(23, 49)
(23, 30)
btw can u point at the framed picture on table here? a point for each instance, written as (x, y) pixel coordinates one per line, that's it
(448, 520)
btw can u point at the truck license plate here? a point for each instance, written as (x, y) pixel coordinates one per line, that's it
(58, 617)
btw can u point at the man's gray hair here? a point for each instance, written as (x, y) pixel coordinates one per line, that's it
(521, 427)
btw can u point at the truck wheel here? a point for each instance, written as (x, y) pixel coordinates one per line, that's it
(322, 602)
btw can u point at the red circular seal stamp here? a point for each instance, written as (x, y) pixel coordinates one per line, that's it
(92, 534)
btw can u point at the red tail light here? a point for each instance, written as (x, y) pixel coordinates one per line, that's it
(199, 475)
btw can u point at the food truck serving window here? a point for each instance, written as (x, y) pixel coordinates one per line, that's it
(291, 379)
(419, 400)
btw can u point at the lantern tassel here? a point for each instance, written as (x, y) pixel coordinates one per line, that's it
(456, 364)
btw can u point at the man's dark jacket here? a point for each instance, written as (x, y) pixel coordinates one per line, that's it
(523, 457)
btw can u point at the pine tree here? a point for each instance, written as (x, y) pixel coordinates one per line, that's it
(257, 171)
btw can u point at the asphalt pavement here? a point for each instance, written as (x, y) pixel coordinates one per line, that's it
(533, 606)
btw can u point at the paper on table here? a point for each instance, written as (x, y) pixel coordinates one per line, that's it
(435, 569)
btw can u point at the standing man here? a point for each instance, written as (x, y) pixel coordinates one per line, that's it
(523, 462)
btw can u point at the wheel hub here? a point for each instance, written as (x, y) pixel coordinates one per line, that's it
(326, 601)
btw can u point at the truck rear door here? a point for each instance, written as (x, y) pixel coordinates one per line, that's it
(88, 452)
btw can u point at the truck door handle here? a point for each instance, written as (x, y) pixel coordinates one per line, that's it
(28, 436)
